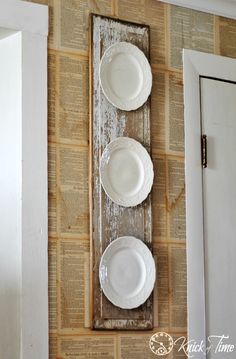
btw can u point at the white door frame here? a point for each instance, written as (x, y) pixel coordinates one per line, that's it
(31, 21)
(226, 8)
(197, 64)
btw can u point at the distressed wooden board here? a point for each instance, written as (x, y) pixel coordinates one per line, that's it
(108, 220)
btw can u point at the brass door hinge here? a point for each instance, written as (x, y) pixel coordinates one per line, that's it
(204, 151)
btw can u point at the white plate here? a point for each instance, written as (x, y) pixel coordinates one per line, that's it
(126, 172)
(125, 76)
(127, 272)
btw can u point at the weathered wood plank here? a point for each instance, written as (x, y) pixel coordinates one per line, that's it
(108, 220)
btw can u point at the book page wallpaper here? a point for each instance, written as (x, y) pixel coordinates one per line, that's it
(172, 28)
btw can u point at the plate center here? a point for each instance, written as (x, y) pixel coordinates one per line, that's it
(127, 272)
(125, 172)
(124, 76)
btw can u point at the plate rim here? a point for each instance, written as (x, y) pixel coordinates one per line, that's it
(141, 98)
(146, 160)
(151, 277)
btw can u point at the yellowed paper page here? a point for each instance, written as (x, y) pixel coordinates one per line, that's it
(72, 284)
(74, 212)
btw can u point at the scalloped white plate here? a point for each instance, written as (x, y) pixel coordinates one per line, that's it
(127, 272)
(125, 76)
(126, 172)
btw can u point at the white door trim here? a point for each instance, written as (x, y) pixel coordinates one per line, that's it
(197, 64)
(31, 22)
(24, 16)
(226, 8)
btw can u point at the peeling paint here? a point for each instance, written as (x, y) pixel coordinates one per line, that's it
(109, 220)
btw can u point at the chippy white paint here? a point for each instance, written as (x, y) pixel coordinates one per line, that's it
(109, 123)
(23, 180)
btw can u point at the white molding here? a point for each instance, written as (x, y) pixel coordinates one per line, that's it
(226, 8)
(209, 65)
(194, 214)
(197, 64)
(24, 16)
(34, 198)
(31, 22)
(10, 193)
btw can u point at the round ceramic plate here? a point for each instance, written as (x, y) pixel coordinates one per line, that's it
(127, 272)
(125, 76)
(126, 172)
